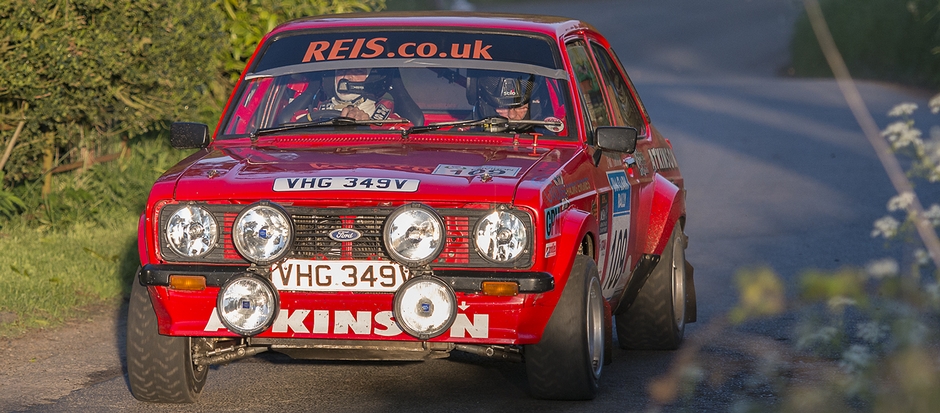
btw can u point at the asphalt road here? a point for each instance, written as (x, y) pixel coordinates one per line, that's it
(778, 172)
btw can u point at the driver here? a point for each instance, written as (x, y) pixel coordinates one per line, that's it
(507, 94)
(361, 94)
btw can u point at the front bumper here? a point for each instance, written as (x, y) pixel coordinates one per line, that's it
(480, 319)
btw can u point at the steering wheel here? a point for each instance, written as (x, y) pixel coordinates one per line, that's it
(324, 115)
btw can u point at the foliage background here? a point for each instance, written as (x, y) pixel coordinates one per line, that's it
(89, 74)
(893, 40)
(90, 77)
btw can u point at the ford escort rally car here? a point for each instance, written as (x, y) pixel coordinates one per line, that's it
(392, 187)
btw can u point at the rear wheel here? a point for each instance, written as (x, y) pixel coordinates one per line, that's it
(566, 364)
(159, 368)
(656, 320)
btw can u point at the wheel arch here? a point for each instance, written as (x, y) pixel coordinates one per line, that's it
(666, 210)
(578, 228)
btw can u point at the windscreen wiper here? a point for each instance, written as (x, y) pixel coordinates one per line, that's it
(336, 121)
(491, 124)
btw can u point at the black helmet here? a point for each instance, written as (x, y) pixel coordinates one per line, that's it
(374, 87)
(505, 89)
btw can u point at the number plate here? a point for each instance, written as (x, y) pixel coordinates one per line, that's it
(345, 183)
(323, 276)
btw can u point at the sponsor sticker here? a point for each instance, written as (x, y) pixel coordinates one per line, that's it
(558, 127)
(621, 192)
(363, 48)
(463, 170)
(324, 322)
(552, 229)
(334, 183)
(551, 249)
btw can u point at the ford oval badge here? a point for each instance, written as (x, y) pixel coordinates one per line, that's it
(344, 234)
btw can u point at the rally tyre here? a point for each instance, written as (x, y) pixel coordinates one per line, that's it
(566, 364)
(159, 368)
(656, 320)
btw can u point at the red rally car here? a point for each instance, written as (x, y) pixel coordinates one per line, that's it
(392, 187)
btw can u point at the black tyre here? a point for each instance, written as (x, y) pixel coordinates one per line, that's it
(159, 368)
(656, 320)
(566, 364)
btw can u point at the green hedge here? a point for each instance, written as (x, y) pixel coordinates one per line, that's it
(893, 40)
(88, 74)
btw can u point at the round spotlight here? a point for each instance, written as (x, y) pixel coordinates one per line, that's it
(192, 231)
(500, 237)
(247, 304)
(425, 307)
(263, 233)
(414, 234)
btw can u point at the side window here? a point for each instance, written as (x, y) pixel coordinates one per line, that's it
(624, 107)
(589, 87)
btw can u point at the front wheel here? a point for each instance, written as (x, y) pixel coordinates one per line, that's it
(566, 364)
(159, 368)
(656, 320)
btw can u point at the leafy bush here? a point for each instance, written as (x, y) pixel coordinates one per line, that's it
(879, 39)
(247, 21)
(89, 73)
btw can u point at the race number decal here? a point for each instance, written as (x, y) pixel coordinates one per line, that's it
(619, 227)
(333, 183)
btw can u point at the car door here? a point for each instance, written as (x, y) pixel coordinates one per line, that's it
(613, 204)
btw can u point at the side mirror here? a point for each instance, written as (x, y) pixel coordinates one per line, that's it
(616, 138)
(188, 135)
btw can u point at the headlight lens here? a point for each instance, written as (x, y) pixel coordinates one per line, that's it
(262, 233)
(247, 305)
(192, 231)
(414, 234)
(425, 307)
(500, 236)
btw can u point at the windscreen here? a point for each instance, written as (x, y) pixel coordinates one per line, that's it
(400, 79)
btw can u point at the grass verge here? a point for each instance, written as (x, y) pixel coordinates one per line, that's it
(76, 249)
(47, 279)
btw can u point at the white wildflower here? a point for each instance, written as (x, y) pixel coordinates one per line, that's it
(909, 138)
(886, 227)
(901, 202)
(933, 214)
(872, 332)
(856, 358)
(921, 257)
(883, 268)
(911, 332)
(903, 109)
(838, 302)
(903, 133)
(824, 335)
(896, 128)
(935, 104)
(933, 292)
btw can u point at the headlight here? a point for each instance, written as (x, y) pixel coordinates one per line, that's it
(425, 307)
(414, 234)
(262, 233)
(192, 231)
(247, 305)
(500, 237)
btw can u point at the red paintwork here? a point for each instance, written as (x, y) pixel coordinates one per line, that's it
(552, 172)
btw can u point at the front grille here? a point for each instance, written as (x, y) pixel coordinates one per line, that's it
(312, 227)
